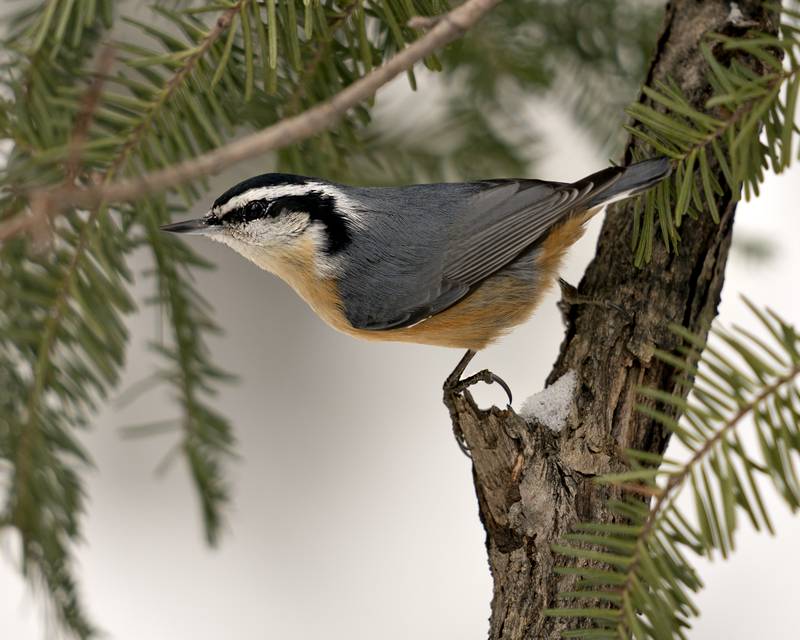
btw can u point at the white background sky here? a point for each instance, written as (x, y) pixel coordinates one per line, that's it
(353, 505)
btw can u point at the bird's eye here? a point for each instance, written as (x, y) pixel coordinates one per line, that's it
(255, 209)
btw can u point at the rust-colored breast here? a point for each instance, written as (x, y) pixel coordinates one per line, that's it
(498, 304)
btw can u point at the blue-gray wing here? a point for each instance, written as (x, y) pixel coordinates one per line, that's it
(487, 228)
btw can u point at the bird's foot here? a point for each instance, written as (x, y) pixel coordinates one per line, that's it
(482, 376)
(455, 385)
(571, 297)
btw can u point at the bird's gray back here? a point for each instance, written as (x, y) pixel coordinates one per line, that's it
(396, 260)
(423, 247)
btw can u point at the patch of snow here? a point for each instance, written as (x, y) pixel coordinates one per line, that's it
(736, 17)
(551, 406)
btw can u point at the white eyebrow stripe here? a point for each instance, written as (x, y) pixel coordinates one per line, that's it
(343, 203)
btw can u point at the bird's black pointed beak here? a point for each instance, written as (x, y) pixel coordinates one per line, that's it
(200, 225)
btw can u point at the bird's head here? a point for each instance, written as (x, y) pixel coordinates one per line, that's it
(276, 214)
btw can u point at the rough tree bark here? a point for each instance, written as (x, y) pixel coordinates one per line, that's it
(533, 485)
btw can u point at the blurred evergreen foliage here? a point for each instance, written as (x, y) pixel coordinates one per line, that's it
(197, 73)
(190, 77)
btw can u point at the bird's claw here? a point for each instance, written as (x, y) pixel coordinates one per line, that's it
(454, 385)
(482, 376)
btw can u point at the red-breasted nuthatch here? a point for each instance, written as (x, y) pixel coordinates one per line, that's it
(455, 265)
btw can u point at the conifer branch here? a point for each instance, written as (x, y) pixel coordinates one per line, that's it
(664, 497)
(47, 207)
(310, 70)
(45, 538)
(723, 133)
(288, 131)
(84, 118)
(65, 287)
(25, 510)
(178, 78)
(648, 574)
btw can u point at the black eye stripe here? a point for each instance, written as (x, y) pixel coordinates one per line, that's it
(251, 211)
(319, 207)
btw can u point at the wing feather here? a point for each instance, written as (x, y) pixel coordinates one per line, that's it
(474, 255)
(490, 229)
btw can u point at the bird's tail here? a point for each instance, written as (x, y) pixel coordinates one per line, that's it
(628, 181)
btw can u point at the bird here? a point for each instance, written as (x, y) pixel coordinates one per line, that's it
(446, 264)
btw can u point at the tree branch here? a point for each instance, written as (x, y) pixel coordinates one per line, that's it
(286, 132)
(533, 485)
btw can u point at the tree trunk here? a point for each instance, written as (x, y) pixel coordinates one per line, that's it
(532, 484)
